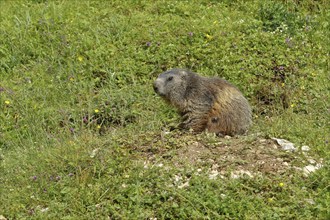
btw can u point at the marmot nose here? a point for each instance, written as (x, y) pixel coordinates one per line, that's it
(155, 88)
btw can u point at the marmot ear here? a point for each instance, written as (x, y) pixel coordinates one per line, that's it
(183, 73)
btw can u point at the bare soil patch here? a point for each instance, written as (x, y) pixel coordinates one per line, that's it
(229, 156)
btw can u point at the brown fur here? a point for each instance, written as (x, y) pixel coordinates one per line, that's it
(211, 104)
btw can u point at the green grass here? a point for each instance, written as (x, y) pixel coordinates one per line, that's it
(76, 105)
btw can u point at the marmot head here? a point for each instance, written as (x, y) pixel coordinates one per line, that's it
(171, 85)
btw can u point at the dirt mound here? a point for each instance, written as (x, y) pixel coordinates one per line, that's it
(238, 157)
(233, 157)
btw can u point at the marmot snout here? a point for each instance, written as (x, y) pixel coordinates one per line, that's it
(211, 104)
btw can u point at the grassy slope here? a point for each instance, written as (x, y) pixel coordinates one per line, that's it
(76, 76)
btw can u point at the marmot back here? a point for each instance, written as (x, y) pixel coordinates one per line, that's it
(211, 104)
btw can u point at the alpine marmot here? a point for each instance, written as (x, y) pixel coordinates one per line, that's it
(210, 104)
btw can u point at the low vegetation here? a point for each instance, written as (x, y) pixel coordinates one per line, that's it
(83, 136)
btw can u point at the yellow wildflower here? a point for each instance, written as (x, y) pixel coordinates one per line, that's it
(99, 127)
(281, 184)
(80, 58)
(96, 111)
(209, 37)
(7, 102)
(292, 105)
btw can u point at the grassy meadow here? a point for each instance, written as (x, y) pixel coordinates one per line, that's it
(84, 136)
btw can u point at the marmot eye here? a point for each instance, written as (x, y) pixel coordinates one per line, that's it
(170, 78)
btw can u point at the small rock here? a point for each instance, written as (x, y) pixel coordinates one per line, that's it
(44, 209)
(94, 152)
(274, 146)
(260, 162)
(215, 166)
(311, 161)
(184, 185)
(166, 132)
(160, 165)
(279, 159)
(227, 137)
(310, 201)
(305, 148)
(311, 168)
(213, 174)
(2, 217)
(177, 178)
(145, 164)
(240, 173)
(297, 168)
(285, 144)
